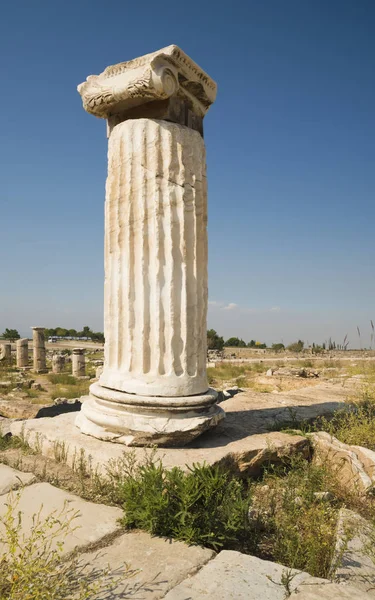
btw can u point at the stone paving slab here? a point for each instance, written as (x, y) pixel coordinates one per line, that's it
(11, 479)
(237, 443)
(355, 567)
(232, 444)
(242, 442)
(235, 576)
(161, 564)
(95, 521)
(328, 591)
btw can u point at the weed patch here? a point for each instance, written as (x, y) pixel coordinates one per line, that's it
(33, 567)
(62, 379)
(355, 426)
(296, 528)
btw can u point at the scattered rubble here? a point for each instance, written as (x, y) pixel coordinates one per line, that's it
(293, 372)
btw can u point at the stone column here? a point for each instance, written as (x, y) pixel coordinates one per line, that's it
(39, 350)
(78, 362)
(6, 353)
(22, 352)
(153, 388)
(58, 363)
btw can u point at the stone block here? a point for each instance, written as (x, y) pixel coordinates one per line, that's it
(328, 591)
(161, 563)
(352, 563)
(11, 479)
(342, 459)
(232, 575)
(95, 521)
(229, 446)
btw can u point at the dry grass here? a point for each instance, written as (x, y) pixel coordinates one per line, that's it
(241, 375)
(32, 564)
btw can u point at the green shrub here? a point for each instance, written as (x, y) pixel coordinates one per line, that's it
(278, 347)
(202, 506)
(207, 506)
(296, 346)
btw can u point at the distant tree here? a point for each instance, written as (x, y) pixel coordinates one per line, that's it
(86, 332)
(11, 335)
(62, 332)
(49, 332)
(251, 344)
(235, 342)
(97, 336)
(260, 345)
(278, 347)
(72, 333)
(214, 341)
(296, 346)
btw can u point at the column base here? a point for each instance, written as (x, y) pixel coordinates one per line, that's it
(144, 420)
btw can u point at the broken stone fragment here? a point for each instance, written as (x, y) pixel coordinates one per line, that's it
(355, 466)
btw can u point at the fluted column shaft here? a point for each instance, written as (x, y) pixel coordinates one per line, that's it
(155, 260)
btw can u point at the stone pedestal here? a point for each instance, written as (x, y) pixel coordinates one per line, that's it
(58, 363)
(6, 353)
(78, 362)
(39, 350)
(153, 388)
(22, 353)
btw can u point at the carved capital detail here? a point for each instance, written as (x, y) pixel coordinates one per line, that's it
(157, 76)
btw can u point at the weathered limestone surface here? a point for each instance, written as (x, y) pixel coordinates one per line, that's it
(328, 591)
(355, 565)
(249, 417)
(161, 563)
(154, 387)
(58, 363)
(90, 527)
(232, 575)
(5, 352)
(229, 445)
(156, 76)
(353, 464)
(155, 260)
(78, 362)
(22, 353)
(11, 479)
(367, 458)
(39, 350)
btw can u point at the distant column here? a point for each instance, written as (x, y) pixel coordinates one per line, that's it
(78, 362)
(22, 353)
(6, 352)
(39, 350)
(58, 363)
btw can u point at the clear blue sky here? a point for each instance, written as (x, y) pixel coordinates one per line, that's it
(291, 159)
